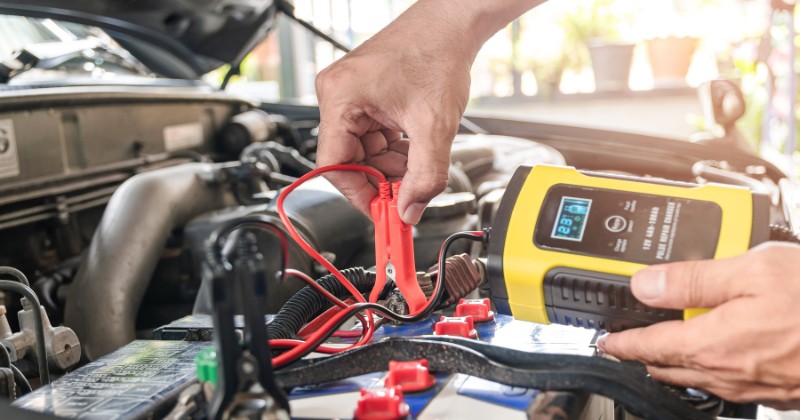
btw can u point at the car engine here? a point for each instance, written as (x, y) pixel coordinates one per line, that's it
(109, 199)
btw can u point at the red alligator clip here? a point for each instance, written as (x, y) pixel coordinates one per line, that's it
(394, 248)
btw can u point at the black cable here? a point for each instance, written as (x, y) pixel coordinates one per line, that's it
(217, 239)
(382, 310)
(28, 293)
(308, 303)
(547, 372)
(19, 275)
(21, 382)
(234, 70)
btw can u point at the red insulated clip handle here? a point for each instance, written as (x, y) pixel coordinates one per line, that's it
(394, 248)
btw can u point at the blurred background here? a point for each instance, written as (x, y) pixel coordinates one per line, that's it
(627, 65)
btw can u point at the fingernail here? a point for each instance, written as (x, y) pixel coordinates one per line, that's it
(650, 283)
(413, 213)
(601, 343)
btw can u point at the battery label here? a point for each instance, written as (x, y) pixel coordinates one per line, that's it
(639, 228)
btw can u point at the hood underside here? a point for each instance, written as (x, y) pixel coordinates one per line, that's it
(174, 38)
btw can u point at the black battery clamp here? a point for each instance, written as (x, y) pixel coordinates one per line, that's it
(566, 242)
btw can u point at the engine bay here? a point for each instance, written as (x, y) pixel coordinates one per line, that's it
(119, 205)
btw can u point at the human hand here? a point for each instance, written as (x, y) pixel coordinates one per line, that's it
(746, 349)
(413, 78)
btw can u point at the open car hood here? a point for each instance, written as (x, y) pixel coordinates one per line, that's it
(174, 38)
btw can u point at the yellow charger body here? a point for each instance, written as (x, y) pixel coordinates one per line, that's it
(590, 284)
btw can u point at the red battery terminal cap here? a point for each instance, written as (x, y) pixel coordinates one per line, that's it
(456, 326)
(411, 376)
(479, 309)
(381, 404)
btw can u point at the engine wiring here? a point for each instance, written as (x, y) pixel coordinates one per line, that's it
(332, 325)
(330, 321)
(287, 223)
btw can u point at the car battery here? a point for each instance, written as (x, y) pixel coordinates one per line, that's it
(459, 396)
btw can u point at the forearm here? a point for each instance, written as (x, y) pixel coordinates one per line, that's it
(465, 25)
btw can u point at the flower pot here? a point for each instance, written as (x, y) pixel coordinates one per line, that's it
(670, 59)
(611, 64)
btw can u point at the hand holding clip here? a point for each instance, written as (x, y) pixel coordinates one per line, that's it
(394, 248)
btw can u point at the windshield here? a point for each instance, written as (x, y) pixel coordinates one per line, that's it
(34, 50)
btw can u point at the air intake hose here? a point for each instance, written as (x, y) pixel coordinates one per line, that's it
(115, 272)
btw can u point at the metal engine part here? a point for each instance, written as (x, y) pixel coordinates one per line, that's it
(104, 298)
(63, 350)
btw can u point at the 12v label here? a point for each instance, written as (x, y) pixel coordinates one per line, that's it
(9, 161)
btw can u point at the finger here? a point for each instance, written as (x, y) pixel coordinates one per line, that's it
(392, 164)
(782, 405)
(374, 143)
(338, 145)
(391, 158)
(693, 284)
(662, 344)
(428, 164)
(681, 376)
(355, 187)
(708, 382)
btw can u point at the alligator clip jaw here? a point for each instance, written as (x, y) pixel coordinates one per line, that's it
(394, 248)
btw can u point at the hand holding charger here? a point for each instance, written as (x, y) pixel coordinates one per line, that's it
(566, 242)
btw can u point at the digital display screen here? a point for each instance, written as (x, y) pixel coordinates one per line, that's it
(571, 220)
(627, 226)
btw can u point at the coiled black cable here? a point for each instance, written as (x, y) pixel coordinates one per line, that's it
(306, 304)
(354, 309)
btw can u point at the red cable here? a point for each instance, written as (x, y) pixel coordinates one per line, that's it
(299, 239)
(368, 329)
(299, 347)
(279, 344)
(311, 282)
(331, 297)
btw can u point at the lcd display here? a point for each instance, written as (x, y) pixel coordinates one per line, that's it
(571, 221)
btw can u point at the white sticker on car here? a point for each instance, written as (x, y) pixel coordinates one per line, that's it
(183, 136)
(9, 160)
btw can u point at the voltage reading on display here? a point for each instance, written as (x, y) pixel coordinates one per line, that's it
(571, 221)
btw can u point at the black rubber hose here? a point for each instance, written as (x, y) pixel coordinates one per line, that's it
(308, 303)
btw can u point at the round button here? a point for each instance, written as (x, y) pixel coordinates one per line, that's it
(616, 224)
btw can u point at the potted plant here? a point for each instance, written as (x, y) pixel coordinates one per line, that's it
(595, 28)
(672, 44)
(670, 58)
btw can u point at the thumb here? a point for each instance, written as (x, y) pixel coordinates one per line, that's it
(427, 167)
(692, 284)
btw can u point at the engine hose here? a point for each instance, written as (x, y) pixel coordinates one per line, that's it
(783, 234)
(308, 303)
